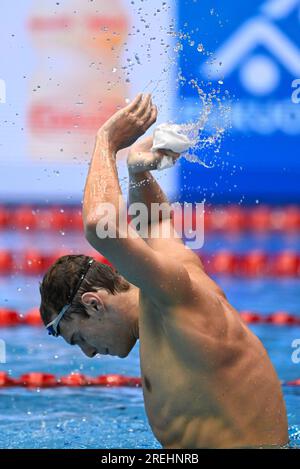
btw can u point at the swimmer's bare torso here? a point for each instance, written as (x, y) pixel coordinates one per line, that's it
(207, 380)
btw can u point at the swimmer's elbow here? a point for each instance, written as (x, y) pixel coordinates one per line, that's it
(89, 227)
(95, 230)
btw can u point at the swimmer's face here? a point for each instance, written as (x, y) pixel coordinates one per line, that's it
(105, 329)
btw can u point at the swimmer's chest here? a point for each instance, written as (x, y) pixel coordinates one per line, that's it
(157, 364)
(169, 385)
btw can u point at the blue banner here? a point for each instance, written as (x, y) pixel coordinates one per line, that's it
(249, 52)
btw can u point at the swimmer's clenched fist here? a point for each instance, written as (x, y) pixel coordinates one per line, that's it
(141, 158)
(130, 122)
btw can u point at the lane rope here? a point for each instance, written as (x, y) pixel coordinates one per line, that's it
(12, 318)
(255, 263)
(39, 380)
(234, 218)
(47, 380)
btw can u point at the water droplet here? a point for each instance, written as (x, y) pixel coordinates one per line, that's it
(178, 47)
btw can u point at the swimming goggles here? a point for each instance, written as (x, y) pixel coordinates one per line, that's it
(52, 327)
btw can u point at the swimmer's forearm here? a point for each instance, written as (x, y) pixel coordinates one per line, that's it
(144, 188)
(102, 184)
(121, 130)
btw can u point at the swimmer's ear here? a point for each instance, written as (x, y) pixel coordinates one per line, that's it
(93, 303)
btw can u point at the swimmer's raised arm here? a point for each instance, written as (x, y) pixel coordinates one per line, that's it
(164, 279)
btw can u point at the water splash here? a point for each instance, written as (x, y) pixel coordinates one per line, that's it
(206, 133)
(211, 113)
(204, 113)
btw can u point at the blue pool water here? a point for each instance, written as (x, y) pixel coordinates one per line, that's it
(115, 418)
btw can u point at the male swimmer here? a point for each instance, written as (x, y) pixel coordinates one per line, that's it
(207, 379)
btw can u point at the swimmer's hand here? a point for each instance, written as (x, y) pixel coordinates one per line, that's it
(128, 124)
(141, 158)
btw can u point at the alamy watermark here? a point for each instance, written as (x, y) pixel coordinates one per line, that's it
(142, 220)
(296, 93)
(2, 351)
(296, 353)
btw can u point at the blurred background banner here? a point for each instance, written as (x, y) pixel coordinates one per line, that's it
(251, 51)
(68, 65)
(65, 68)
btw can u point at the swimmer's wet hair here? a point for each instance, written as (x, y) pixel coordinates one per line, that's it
(62, 277)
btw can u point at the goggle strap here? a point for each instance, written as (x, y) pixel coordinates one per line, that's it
(58, 318)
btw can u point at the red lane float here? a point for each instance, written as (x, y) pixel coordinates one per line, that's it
(250, 317)
(225, 219)
(4, 218)
(118, 381)
(37, 380)
(23, 218)
(9, 318)
(6, 262)
(260, 219)
(231, 219)
(286, 264)
(255, 263)
(6, 380)
(32, 318)
(286, 219)
(31, 262)
(75, 379)
(223, 262)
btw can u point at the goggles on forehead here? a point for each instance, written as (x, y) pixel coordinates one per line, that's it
(52, 327)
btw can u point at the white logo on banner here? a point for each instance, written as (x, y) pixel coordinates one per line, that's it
(259, 73)
(2, 92)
